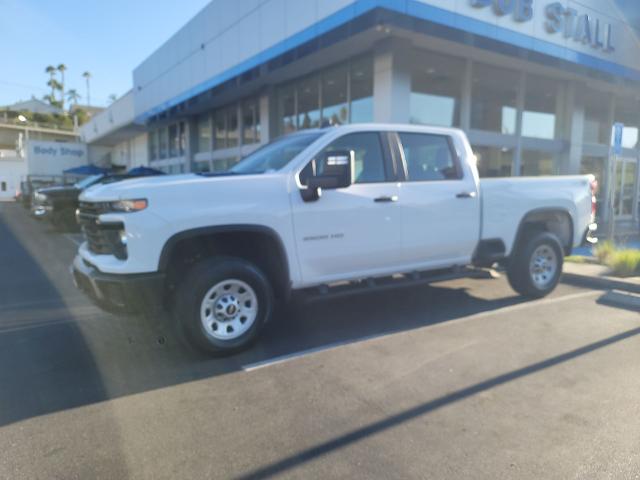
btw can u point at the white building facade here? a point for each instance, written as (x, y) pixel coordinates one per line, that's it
(536, 84)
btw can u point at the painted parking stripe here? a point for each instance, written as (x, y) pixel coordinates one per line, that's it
(511, 308)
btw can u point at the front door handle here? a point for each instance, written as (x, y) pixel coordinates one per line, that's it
(466, 195)
(393, 198)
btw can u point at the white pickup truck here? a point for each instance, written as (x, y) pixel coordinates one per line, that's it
(359, 206)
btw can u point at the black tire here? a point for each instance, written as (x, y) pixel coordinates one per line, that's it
(518, 272)
(196, 284)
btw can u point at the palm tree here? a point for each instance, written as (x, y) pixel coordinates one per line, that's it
(73, 96)
(55, 85)
(112, 98)
(87, 76)
(62, 68)
(51, 70)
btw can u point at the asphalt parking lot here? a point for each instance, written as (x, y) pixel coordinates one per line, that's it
(462, 379)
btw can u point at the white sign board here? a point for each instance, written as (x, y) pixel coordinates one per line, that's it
(52, 158)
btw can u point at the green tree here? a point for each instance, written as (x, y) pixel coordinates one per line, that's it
(51, 70)
(62, 68)
(112, 98)
(73, 96)
(87, 76)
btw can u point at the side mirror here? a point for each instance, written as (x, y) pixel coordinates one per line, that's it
(335, 170)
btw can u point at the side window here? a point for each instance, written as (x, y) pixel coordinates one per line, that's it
(369, 166)
(3, 186)
(428, 157)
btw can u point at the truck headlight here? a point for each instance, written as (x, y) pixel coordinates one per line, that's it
(40, 197)
(129, 205)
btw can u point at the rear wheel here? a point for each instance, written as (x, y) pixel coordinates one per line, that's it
(222, 304)
(536, 266)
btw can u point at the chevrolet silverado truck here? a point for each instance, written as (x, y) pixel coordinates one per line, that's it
(322, 211)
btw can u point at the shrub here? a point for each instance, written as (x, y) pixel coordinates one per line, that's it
(625, 262)
(603, 251)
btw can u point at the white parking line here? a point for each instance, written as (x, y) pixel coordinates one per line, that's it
(76, 242)
(511, 308)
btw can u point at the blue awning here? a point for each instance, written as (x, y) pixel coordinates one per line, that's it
(143, 171)
(85, 170)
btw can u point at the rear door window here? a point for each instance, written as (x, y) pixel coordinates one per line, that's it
(429, 157)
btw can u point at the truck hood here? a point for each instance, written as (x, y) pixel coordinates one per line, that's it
(166, 186)
(59, 191)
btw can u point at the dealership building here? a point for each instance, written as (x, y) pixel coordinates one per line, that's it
(536, 84)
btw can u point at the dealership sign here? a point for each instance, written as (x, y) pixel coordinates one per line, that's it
(569, 22)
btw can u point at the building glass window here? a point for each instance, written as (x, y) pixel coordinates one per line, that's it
(232, 127)
(163, 142)
(361, 75)
(339, 95)
(153, 145)
(627, 111)
(494, 94)
(536, 163)
(173, 140)
(182, 138)
(436, 87)
(287, 108)
(494, 161)
(309, 103)
(221, 130)
(204, 133)
(596, 117)
(335, 108)
(251, 122)
(539, 116)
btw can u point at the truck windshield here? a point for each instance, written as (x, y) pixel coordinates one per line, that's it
(85, 182)
(275, 155)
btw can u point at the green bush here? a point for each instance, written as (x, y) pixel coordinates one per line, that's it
(625, 263)
(603, 251)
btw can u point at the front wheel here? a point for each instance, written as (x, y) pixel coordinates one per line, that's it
(222, 304)
(536, 266)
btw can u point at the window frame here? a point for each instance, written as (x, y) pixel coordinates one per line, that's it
(460, 174)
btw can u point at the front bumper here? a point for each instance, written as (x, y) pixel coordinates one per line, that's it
(119, 293)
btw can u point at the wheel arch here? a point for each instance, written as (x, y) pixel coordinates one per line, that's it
(257, 243)
(556, 220)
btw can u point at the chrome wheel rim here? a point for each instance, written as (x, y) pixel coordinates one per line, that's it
(543, 266)
(229, 309)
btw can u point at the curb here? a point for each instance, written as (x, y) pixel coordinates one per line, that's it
(600, 283)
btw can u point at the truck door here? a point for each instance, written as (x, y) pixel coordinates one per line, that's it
(440, 202)
(354, 231)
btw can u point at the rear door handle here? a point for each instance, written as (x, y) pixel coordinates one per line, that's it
(393, 198)
(466, 195)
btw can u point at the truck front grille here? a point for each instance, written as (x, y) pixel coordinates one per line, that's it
(102, 238)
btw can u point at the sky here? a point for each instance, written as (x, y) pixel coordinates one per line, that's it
(108, 38)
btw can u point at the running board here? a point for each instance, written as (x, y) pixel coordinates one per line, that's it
(366, 285)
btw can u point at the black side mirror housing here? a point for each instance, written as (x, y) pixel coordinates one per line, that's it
(336, 170)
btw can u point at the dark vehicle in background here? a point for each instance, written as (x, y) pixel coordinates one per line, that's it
(58, 203)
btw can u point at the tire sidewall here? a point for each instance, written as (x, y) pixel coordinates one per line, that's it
(199, 281)
(543, 238)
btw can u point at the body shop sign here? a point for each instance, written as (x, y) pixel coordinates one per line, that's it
(581, 27)
(51, 158)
